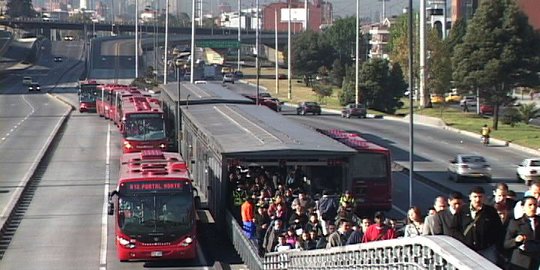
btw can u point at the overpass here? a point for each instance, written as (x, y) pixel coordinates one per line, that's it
(46, 27)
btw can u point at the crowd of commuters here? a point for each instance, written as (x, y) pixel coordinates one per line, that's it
(277, 215)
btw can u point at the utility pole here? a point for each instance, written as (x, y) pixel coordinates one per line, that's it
(257, 64)
(136, 39)
(289, 83)
(356, 88)
(192, 40)
(166, 64)
(422, 58)
(411, 112)
(239, 32)
(276, 50)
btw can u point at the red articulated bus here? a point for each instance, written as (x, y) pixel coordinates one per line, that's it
(154, 208)
(87, 96)
(141, 122)
(105, 98)
(369, 173)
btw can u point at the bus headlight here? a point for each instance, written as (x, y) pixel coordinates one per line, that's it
(162, 146)
(128, 145)
(187, 242)
(125, 242)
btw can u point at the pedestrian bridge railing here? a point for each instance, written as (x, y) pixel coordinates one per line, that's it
(422, 252)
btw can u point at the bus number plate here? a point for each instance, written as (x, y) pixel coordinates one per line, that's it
(156, 253)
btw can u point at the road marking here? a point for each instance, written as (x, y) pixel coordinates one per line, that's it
(20, 122)
(104, 214)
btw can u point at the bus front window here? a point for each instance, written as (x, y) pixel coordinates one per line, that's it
(148, 214)
(143, 129)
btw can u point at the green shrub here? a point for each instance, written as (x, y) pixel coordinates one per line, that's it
(511, 116)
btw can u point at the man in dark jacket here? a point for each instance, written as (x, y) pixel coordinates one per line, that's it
(480, 225)
(328, 206)
(523, 236)
(443, 222)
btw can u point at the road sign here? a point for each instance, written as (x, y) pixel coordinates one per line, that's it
(217, 44)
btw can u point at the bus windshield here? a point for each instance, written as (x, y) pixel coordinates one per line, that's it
(87, 93)
(156, 214)
(144, 127)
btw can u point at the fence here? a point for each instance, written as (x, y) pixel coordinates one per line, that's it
(423, 252)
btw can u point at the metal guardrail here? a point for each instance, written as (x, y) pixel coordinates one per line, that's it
(423, 252)
(242, 244)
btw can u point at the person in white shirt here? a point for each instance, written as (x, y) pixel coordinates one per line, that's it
(534, 191)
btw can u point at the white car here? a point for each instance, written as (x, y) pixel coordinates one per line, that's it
(228, 78)
(471, 101)
(469, 166)
(528, 170)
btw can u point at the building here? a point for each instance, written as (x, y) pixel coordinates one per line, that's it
(319, 13)
(466, 8)
(379, 37)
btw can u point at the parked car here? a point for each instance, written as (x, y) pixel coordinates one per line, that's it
(358, 110)
(27, 80)
(528, 170)
(469, 166)
(486, 109)
(34, 87)
(452, 98)
(471, 101)
(228, 78)
(435, 99)
(308, 107)
(58, 59)
(239, 74)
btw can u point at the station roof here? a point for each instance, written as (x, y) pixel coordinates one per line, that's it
(256, 131)
(203, 93)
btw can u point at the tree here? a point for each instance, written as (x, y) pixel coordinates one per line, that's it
(348, 90)
(440, 65)
(20, 8)
(382, 86)
(399, 44)
(500, 51)
(457, 32)
(309, 53)
(341, 36)
(528, 111)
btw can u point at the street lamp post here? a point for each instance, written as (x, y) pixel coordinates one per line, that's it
(193, 41)
(411, 112)
(239, 32)
(136, 39)
(178, 108)
(289, 83)
(165, 63)
(257, 49)
(356, 89)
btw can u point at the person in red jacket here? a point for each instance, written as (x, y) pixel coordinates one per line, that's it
(247, 211)
(378, 230)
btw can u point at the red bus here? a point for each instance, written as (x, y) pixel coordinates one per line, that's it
(154, 208)
(121, 97)
(142, 123)
(105, 98)
(87, 96)
(369, 172)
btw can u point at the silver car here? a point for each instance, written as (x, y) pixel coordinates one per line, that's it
(469, 166)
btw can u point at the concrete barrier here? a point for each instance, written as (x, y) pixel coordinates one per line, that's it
(426, 120)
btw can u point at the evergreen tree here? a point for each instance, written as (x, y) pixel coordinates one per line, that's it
(382, 86)
(439, 65)
(20, 8)
(499, 51)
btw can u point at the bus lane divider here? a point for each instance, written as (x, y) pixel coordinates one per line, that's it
(104, 214)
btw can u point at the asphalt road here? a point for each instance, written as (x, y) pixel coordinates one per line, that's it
(433, 147)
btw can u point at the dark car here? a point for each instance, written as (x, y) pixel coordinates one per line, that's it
(486, 109)
(357, 110)
(34, 87)
(58, 59)
(272, 103)
(308, 107)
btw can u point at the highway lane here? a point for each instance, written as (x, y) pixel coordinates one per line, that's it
(433, 148)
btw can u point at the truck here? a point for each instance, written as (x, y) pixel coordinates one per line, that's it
(209, 72)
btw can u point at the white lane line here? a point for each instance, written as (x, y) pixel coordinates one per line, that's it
(20, 122)
(104, 215)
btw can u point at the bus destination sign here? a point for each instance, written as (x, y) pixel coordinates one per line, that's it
(168, 186)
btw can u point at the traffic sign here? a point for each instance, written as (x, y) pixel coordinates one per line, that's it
(217, 44)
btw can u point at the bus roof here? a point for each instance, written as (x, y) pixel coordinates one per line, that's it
(113, 87)
(139, 103)
(153, 164)
(256, 131)
(353, 140)
(203, 93)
